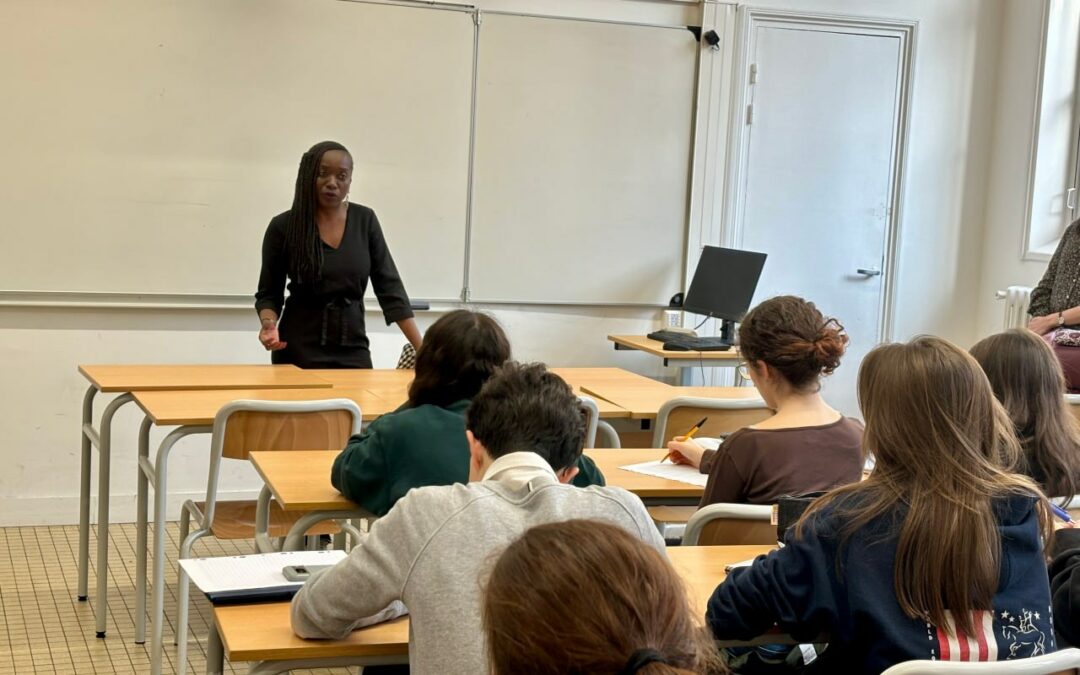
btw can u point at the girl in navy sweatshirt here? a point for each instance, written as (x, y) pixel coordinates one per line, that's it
(937, 555)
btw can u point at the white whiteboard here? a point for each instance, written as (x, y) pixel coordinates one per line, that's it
(147, 143)
(582, 161)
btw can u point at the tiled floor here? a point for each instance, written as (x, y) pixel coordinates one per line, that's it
(44, 629)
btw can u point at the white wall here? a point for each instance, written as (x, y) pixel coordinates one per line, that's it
(941, 223)
(940, 240)
(1006, 195)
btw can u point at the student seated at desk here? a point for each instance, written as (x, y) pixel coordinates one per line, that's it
(807, 446)
(1065, 585)
(423, 441)
(937, 555)
(1027, 379)
(526, 429)
(583, 596)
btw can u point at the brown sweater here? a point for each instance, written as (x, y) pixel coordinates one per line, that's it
(755, 466)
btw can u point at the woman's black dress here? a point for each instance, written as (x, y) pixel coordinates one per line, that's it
(323, 322)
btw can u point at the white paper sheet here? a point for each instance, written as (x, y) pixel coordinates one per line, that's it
(679, 472)
(250, 572)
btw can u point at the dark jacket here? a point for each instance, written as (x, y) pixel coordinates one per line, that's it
(1065, 586)
(414, 447)
(800, 588)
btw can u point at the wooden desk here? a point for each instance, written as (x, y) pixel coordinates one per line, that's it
(643, 344)
(124, 379)
(194, 412)
(644, 401)
(299, 480)
(651, 489)
(262, 632)
(393, 385)
(166, 408)
(684, 360)
(354, 378)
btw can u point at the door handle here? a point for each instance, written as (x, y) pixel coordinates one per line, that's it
(868, 273)
(1070, 198)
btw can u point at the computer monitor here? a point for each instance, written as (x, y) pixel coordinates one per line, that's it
(724, 283)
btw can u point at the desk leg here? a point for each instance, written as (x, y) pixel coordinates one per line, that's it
(160, 475)
(215, 651)
(101, 611)
(141, 525)
(85, 429)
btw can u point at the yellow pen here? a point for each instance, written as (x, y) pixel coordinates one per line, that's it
(689, 434)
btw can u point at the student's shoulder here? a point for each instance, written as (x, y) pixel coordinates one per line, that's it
(406, 418)
(434, 505)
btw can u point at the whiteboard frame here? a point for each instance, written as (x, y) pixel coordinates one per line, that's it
(210, 301)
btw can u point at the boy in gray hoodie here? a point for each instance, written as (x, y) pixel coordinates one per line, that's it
(525, 430)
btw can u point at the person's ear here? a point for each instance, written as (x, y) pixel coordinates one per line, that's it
(477, 454)
(568, 474)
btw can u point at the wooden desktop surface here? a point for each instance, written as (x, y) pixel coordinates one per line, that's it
(262, 631)
(131, 377)
(393, 385)
(200, 407)
(300, 479)
(646, 487)
(643, 401)
(656, 348)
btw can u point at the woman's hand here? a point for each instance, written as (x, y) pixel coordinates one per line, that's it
(269, 338)
(1041, 325)
(685, 451)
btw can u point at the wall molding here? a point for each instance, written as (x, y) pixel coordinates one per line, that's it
(27, 511)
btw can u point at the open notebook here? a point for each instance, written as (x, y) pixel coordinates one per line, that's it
(250, 578)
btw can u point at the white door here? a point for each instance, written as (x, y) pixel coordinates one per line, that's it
(818, 174)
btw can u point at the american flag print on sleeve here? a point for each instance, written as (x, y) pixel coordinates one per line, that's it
(1019, 634)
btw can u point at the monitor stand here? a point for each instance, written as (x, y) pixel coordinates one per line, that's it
(727, 331)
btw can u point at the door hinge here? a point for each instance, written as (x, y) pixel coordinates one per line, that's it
(750, 113)
(753, 73)
(478, 17)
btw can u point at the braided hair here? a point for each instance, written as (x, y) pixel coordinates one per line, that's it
(302, 237)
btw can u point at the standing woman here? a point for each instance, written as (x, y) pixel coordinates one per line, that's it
(328, 248)
(1055, 302)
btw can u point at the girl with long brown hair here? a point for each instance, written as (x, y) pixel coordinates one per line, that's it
(584, 596)
(807, 446)
(939, 554)
(1027, 379)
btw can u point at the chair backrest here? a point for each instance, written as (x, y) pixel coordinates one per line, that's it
(407, 360)
(243, 426)
(1017, 299)
(592, 420)
(730, 525)
(678, 415)
(1062, 662)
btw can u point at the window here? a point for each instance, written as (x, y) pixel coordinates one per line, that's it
(1055, 177)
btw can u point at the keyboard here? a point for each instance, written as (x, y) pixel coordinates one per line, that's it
(665, 335)
(679, 342)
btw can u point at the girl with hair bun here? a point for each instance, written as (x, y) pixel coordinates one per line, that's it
(807, 446)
